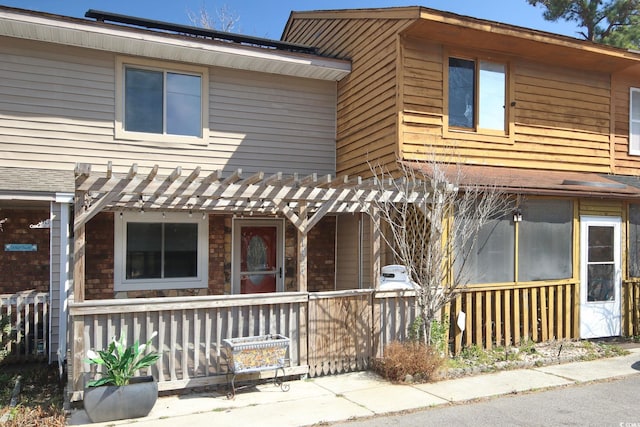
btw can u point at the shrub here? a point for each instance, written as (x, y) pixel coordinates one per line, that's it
(410, 358)
(5, 336)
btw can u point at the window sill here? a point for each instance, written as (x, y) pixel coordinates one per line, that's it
(168, 141)
(151, 285)
(459, 134)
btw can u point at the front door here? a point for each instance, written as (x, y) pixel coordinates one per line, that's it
(600, 277)
(258, 266)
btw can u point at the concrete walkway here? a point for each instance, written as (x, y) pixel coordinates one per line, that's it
(360, 394)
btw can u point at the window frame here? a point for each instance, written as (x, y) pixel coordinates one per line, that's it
(122, 284)
(516, 222)
(121, 133)
(630, 244)
(633, 151)
(476, 133)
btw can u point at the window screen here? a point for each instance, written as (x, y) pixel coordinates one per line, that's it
(491, 259)
(545, 240)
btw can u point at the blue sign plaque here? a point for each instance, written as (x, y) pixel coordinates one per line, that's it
(20, 247)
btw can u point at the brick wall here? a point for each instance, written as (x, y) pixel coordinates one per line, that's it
(321, 256)
(321, 261)
(99, 257)
(219, 254)
(22, 271)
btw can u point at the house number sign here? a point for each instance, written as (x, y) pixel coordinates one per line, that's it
(20, 247)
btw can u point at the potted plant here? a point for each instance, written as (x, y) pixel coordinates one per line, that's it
(118, 393)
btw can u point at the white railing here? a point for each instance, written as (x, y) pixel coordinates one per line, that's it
(28, 316)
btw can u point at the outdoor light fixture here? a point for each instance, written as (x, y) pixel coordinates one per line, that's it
(517, 215)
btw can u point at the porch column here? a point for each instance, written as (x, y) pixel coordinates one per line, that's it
(302, 248)
(61, 206)
(376, 240)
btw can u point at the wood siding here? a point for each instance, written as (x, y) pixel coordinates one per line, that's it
(58, 108)
(625, 164)
(348, 252)
(367, 107)
(560, 120)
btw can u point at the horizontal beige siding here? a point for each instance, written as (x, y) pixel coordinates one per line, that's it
(561, 117)
(58, 108)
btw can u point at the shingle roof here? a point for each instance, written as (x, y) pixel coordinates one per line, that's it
(36, 180)
(541, 182)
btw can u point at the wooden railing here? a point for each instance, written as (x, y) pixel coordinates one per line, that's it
(509, 315)
(631, 308)
(190, 332)
(28, 315)
(330, 332)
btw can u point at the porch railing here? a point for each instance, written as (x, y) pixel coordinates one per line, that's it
(510, 315)
(28, 316)
(330, 332)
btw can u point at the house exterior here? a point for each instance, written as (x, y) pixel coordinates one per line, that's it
(104, 98)
(548, 118)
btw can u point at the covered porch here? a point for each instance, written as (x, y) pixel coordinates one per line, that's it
(329, 331)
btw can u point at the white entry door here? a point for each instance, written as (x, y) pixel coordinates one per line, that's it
(600, 277)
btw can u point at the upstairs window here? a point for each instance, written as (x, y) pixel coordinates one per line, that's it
(156, 102)
(634, 122)
(477, 95)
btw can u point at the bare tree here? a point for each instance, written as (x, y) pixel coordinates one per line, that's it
(224, 18)
(434, 229)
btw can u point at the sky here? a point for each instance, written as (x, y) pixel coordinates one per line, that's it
(267, 18)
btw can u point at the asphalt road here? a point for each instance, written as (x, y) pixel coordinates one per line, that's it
(609, 403)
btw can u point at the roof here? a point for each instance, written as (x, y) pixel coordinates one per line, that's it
(19, 182)
(179, 44)
(540, 182)
(486, 35)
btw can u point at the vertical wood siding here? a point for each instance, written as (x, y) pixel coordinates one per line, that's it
(348, 252)
(58, 108)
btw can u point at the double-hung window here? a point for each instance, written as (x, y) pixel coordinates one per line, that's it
(156, 102)
(477, 95)
(160, 251)
(634, 122)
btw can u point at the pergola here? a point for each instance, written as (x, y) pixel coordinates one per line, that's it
(304, 201)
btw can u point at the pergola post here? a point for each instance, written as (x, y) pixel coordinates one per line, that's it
(79, 242)
(302, 248)
(376, 240)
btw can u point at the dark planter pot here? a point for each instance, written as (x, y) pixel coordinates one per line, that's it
(110, 403)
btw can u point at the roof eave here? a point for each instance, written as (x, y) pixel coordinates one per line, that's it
(158, 45)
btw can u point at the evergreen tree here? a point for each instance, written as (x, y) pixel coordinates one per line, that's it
(612, 22)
